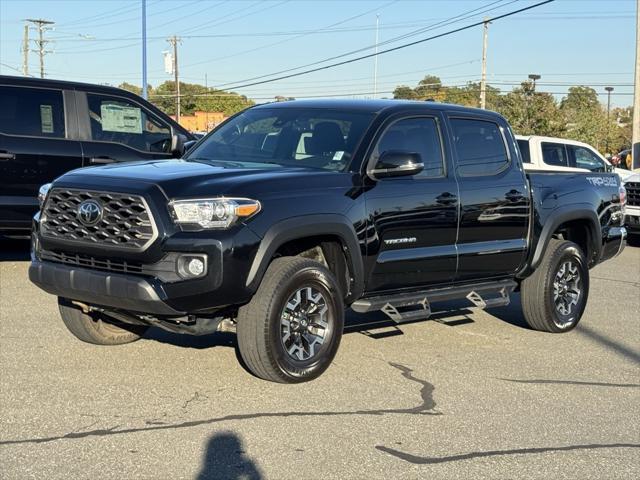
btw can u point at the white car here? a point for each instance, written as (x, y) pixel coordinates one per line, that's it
(559, 154)
(632, 210)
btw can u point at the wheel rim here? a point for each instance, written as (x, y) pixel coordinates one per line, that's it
(567, 289)
(305, 323)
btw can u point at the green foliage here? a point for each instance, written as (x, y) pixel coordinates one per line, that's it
(192, 97)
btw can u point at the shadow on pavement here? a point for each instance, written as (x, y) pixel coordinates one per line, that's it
(225, 458)
(14, 250)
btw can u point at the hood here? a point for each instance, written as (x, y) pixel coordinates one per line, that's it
(633, 177)
(180, 178)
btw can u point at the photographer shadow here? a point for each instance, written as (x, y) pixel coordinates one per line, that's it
(225, 458)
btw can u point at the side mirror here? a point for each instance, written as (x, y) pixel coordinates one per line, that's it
(189, 144)
(397, 163)
(178, 144)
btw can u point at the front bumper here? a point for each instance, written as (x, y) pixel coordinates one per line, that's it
(105, 289)
(632, 218)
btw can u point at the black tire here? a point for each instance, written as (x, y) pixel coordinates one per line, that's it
(95, 328)
(263, 324)
(544, 306)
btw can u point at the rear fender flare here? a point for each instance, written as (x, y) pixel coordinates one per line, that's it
(298, 228)
(566, 214)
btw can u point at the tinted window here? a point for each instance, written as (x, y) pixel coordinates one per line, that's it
(585, 158)
(416, 135)
(554, 154)
(31, 111)
(115, 119)
(315, 138)
(480, 147)
(523, 145)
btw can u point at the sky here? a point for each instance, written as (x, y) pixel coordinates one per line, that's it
(567, 42)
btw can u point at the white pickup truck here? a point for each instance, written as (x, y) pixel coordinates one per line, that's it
(558, 154)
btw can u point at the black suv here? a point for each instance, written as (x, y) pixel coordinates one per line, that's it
(288, 212)
(48, 127)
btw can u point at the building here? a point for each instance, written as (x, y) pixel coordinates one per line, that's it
(201, 121)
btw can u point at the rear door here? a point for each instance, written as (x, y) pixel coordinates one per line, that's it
(38, 143)
(494, 199)
(118, 129)
(414, 218)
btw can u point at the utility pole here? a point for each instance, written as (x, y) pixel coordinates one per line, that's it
(608, 90)
(144, 49)
(375, 60)
(174, 43)
(25, 51)
(483, 78)
(635, 143)
(206, 91)
(41, 25)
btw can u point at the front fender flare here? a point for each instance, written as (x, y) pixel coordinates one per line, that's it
(296, 228)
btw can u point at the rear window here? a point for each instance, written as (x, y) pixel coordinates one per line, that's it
(34, 112)
(523, 145)
(480, 147)
(555, 154)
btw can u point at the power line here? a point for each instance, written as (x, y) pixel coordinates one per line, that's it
(393, 49)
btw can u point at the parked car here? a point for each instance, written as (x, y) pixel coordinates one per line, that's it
(48, 127)
(288, 212)
(632, 210)
(558, 154)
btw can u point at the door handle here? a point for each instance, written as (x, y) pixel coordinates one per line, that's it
(446, 198)
(4, 156)
(101, 160)
(514, 196)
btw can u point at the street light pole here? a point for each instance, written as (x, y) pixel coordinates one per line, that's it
(533, 77)
(144, 49)
(609, 90)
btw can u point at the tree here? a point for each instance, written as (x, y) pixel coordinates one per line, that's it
(585, 116)
(532, 113)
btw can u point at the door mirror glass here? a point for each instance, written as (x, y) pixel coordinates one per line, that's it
(397, 163)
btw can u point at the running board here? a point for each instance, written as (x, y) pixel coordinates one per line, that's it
(481, 295)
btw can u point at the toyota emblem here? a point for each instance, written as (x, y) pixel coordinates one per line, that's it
(89, 212)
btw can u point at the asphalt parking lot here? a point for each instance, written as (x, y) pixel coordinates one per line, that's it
(468, 395)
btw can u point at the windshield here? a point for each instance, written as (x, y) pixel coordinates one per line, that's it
(291, 137)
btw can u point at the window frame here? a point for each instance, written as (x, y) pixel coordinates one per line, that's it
(383, 130)
(65, 112)
(505, 144)
(575, 158)
(87, 121)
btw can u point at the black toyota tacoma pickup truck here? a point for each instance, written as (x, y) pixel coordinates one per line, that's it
(288, 213)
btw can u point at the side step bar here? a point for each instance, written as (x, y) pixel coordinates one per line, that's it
(481, 295)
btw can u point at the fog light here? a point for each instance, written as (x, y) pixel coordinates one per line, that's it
(195, 267)
(192, 266)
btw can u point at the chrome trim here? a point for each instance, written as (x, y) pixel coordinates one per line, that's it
(623, 241)
(492, 247)
(418, 253)
(402, 168)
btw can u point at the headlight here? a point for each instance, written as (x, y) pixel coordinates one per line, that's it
(42, 194)
(213, 212)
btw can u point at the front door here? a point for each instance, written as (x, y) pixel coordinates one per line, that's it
(35, 148)
(414, 218)
(494, 200)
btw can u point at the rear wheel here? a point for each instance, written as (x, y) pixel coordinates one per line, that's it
(555, 295)
(291, 329)
(96, 328)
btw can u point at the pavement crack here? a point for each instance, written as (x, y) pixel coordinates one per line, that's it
(418, 460)
(196, 397)
(426, 407)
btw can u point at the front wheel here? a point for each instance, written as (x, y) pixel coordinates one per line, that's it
(291, 329)
(555, 295)
(95, 328)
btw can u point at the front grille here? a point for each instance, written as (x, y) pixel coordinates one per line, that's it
(125, 220)
(633, 193)
(91, 262)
